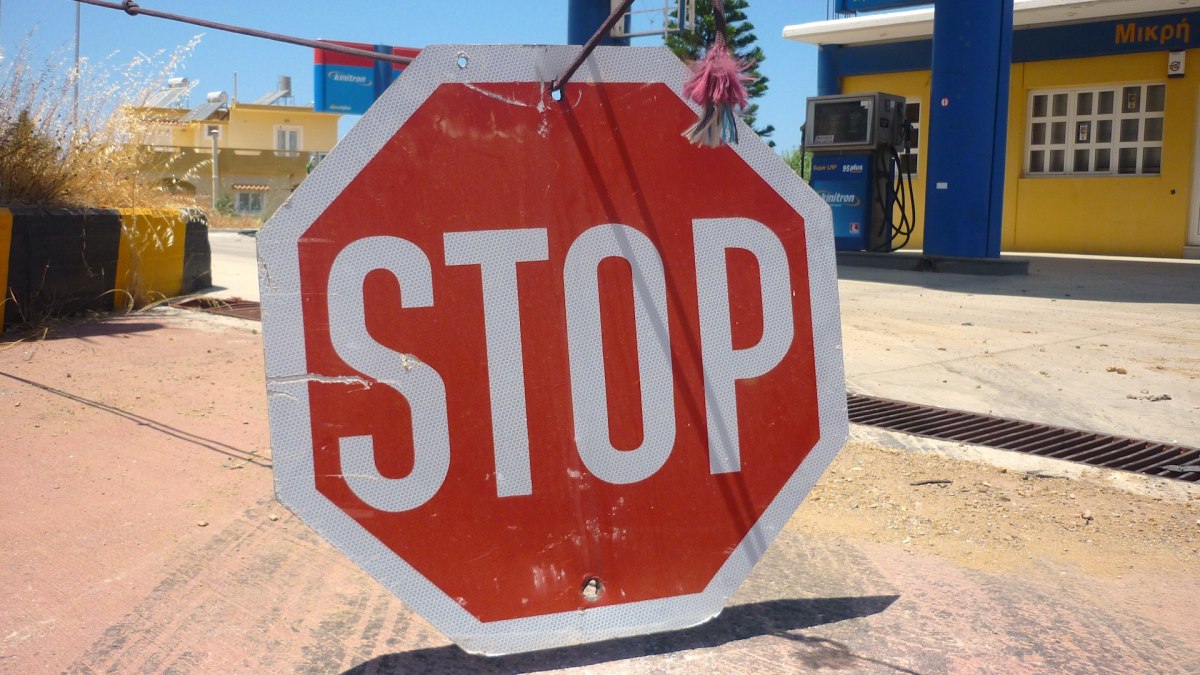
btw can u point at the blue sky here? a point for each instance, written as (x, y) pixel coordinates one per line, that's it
(117, 37)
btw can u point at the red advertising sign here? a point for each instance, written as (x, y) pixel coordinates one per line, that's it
(542, 367)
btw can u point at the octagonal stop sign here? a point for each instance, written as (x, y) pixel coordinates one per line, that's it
(544, 369)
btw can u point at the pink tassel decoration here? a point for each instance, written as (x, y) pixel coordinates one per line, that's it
(718, 83)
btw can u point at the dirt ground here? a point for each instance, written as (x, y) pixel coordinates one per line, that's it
(141, 535)
(998, 520)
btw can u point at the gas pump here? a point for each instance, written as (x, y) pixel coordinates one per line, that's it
(856, 140)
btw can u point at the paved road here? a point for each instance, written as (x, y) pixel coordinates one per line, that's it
(234, 264)
(1104, 344)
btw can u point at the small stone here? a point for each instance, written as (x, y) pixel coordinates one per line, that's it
(272, 517)
(1087, 515)
(201, 523)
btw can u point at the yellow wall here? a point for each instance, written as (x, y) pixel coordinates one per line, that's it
(253, 127)
(912, 86)
(247, 150)
(1129, 215)
(1134, 215)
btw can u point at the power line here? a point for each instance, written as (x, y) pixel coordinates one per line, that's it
(131, 8)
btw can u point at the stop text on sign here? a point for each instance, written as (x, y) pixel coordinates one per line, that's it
(497, 253)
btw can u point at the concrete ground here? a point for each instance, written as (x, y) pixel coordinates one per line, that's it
(234, 264)
(142, 535)
(1104, 344)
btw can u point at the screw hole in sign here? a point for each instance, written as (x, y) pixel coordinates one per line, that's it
(592, 588)
(462, 60)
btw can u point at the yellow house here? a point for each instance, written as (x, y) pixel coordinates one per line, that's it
(264, 149)
(1103, 153)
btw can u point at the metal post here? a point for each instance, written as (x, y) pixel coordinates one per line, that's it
(75, 98)
(216, 181)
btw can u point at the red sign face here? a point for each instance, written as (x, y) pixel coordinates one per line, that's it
(555, 361)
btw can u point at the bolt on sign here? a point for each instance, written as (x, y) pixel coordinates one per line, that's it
(544, 369)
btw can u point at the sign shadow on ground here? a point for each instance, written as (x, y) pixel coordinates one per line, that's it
(78, 329)
(738, 622)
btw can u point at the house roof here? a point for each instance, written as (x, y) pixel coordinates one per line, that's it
(916, 24)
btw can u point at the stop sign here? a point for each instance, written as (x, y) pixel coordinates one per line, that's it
(543, 368)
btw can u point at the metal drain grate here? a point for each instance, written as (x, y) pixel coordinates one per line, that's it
(1112, 452)
(243, 309)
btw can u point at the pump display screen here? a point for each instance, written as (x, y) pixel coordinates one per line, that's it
(841, 122)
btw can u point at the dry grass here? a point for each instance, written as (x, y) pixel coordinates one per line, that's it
(224, 221)
(56, 151)
(93, 151)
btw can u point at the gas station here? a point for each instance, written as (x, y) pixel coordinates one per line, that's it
(1054, 126)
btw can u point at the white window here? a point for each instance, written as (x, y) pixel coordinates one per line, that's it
(250, 202)
(1097, 131)
(289, 140)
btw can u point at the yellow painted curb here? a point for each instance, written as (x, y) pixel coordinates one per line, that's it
(150, 256)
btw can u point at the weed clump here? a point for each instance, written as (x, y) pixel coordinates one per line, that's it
(60, 150)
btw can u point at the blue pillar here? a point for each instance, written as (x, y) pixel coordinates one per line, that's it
(968, 127)
(829, 80)
(585, 16)
(383, 71)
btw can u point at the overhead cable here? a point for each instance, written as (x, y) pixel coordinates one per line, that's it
(133, 9)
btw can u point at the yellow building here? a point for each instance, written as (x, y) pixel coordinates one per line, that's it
(263, 149)
(1103, 152)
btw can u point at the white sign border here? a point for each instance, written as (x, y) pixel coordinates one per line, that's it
(287, 376)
